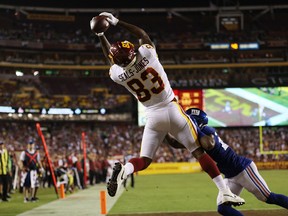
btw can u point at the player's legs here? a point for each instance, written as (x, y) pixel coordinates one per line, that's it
(150, 143)
(157, 126)
(154, 133)
(278, 199)
(132, 183)
(209, 166)
(235, 190)
(185, 132)
(206, 162)
(227, 209)
(182, 128)
(234, 186)
(255, 184)
(170, 118)
(252, 181)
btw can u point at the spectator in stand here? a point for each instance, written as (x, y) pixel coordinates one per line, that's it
(98, 169)
(85, 167)
(73, 164)
(104, 165)
(79, 170)
(245, 141)
(47, 177)
(92, 169)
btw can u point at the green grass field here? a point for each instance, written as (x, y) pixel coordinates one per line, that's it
(162, 193)
(188, 193)
(17, 206)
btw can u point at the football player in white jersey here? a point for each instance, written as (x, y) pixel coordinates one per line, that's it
(143, 75)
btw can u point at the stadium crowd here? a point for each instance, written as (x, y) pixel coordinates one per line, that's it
(72, 92)
(109, 140)
(96, 90)
(106, 141)
(176, 57)
(40, 42)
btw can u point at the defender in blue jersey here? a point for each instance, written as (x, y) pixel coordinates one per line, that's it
(240, 172)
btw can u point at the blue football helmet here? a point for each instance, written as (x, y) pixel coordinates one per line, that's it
(199, 115)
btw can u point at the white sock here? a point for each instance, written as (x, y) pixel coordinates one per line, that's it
(219, 181)
(129, 168)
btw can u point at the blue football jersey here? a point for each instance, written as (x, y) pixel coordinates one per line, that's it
(229, 163)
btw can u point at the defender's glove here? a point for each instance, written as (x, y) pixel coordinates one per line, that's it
(110, 18)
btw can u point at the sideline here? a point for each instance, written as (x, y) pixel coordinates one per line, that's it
(84, 202)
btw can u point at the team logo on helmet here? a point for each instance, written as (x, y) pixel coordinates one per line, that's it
(122, 53)
(199, 115)
(195, 112)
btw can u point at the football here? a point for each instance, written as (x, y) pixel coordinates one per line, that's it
(99, 24)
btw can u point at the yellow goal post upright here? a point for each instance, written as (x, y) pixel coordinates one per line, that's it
(261, 143)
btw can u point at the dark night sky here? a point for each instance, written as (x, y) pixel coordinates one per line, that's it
(137, 3)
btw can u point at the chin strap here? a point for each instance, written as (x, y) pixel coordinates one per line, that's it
(131, 63)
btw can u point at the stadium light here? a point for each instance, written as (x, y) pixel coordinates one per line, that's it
(19, 73)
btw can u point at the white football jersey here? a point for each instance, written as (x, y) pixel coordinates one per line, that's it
(146, 79)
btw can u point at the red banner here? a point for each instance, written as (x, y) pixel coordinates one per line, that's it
(190, 98)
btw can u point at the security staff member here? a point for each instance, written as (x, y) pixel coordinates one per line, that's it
(4, 158)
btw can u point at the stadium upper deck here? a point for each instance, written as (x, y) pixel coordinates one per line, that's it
(188, 28)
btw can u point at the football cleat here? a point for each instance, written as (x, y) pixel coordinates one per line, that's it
(118, 176)
(229, 198)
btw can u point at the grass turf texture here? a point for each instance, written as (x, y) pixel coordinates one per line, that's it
(165, 193)
(17, 205)
(188, 193)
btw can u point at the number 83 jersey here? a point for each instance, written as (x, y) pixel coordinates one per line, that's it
(145, 79)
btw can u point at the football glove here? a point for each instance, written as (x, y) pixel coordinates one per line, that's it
(110, 18)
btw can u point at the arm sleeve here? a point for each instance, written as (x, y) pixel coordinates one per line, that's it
(148, 51)
(200, 133)
(208, 130)
(205, 131)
